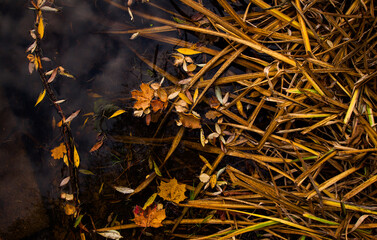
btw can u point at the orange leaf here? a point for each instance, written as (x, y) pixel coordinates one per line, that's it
(172, 191)
(59, 151)
(151, 217)
(96, 146)
(157, 105)
(162, 94)
(41, 27)
(189, 121)
(143, 97)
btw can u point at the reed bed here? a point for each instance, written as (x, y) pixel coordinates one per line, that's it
(297, 118)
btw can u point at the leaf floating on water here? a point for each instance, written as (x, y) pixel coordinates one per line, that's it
(151, 217)
(150, 201)
(189, 121)
(69, 209)
(86, 172)
(134, 35)
(40, 97)
(124, 190)
(64, 181)
(112, 234)
(41, 27)
(204, 177)
(65, 160)
(96, 146)
(188, 51)
(156, 169)
(172, 191)
(59, 152)
(117, 113)
(72, 116)
(76, 157)
(78, 220)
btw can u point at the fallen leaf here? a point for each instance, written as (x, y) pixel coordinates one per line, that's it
(112, 234)
(66, 196)
(58, 152)
(117, 113)
(188, 51)
(172, 191)
(204, 177)
(213, 181)
(86, 172)
(124, 190)
(191, 67)
(189, 121)
(150, 201)
(157, 105)
(53, 75)
(212, 114)
(143, 97)
(69, 209)
(72, 116)
(185, 98)
(65, 160)
(240, 109)
(214, 102)
(96, 146)
(156, 169)
(64, 181)
(40, 97)
(162, 94)
(76, 157)
(151, 217)
(41, 27)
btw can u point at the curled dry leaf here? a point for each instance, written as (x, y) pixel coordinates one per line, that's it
(64, 181)
(111, 234)
(96, 146)
(151, 217)
(189, 121)
(124, 190)
(72, 116)
(172, 191)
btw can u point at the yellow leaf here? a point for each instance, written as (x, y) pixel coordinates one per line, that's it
(150, 201)
(151, 217)
(117, 113)
(59, 151)
(69, 209)
(184, 98)
(65, 160)
(76, 158)
(41, 27)
(40, 97)
(213, 180)
(172, 191)
(196, 94)
(156, 169)
(240, 109)
(188, 51)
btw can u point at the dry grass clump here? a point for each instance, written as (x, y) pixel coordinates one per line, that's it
(307, 140)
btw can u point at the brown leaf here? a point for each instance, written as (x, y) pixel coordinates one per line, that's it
(143, 97)
(212, 114)
(172, 191)
(214, 102)
(59, 151)
(96, 146)
(151, 217)
(189, 121)
(157, 105)
(162, 94)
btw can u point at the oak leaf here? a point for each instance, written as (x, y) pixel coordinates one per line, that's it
(59, 151)
(143, 97)
(151, 217)
(172, 191)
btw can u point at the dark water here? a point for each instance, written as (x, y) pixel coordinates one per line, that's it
(103, 65)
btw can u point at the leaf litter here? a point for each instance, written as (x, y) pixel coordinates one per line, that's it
(292, 128)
